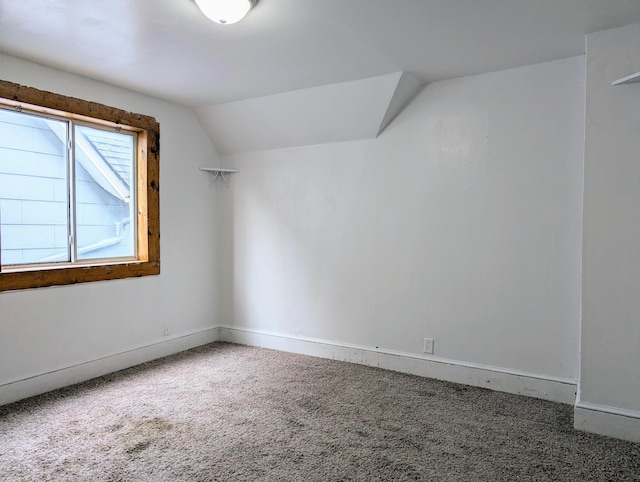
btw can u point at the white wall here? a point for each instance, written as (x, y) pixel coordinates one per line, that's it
(610, 367)
(51, 329)
(461, 222)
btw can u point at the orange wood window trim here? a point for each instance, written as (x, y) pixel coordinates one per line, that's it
(148, 189)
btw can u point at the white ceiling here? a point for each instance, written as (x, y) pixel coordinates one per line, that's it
(167, 48)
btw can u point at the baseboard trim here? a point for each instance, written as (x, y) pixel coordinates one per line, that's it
(606, 420)
(494, 378)
(45, 382)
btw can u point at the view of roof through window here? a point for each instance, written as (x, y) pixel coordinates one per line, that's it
(114, 148)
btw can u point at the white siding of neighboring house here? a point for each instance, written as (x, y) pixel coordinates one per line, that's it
(32, 190)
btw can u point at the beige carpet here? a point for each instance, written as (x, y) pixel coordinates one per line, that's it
(227, 412)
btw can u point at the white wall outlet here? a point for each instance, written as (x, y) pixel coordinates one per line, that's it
(428, 345)
(165, 329)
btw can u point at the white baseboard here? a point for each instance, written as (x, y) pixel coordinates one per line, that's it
(605, 420)
(495, 378)
(35, 385)
(600, 419)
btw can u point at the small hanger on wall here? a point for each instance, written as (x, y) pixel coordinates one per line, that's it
(219, 172)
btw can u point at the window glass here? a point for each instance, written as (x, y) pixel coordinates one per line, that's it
(53, 214)
(34, 194)
(105, 198)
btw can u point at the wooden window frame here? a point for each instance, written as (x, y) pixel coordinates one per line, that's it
(148, 190)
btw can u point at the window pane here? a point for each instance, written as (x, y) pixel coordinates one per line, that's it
(105, 197)
(33, 189)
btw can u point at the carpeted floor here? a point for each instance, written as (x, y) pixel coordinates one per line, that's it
(227, 412)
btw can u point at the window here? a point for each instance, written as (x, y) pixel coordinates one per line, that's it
(79, 198)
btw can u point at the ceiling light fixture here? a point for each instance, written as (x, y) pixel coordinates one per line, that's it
(225, 12)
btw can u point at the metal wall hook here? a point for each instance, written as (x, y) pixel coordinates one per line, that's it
(218, 172)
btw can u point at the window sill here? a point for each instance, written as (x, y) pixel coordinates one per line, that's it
(56, 276)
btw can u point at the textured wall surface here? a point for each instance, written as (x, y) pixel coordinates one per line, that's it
(611, 286)
(461, 222)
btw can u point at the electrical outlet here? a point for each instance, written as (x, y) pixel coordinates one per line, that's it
(428, 345)
(165, 330)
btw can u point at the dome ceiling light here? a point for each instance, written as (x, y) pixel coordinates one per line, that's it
(225, 12)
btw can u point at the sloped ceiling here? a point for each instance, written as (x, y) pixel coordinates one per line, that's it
(331, 113)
